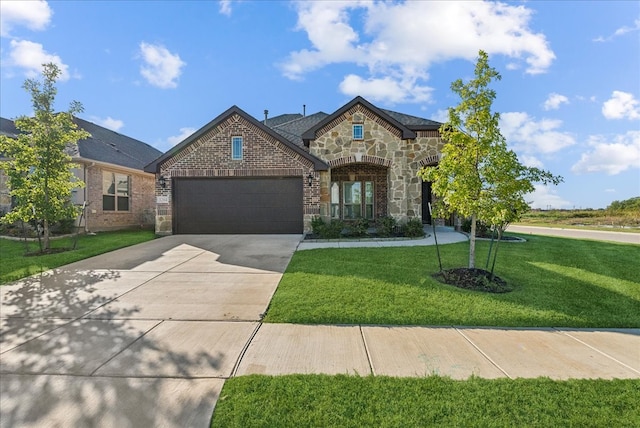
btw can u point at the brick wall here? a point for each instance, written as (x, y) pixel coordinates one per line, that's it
(210, 156)
(141, 201)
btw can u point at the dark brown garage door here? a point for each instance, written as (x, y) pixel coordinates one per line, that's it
(238, 205)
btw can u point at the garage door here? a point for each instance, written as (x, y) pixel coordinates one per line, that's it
(238, 205)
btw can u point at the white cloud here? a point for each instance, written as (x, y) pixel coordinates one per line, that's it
(386, 88)
(225, 7)
(531, 161)
(621, 105)
(527, 135)
(184, 133)
(400, 41)
(610, 157)
(619, 32)
(554, 101)
(30, 56)
(34, 15)
(108, 122)
(161, 68)
(441, 116)
(545, 197)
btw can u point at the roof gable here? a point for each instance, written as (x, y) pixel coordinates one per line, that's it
(406, 132)
(155, 165)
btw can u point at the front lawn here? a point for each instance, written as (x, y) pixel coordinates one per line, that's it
(16, 265)
(557, 282)
(349, 401)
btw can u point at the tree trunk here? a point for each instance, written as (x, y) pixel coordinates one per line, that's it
(472, 243)
(45, 234)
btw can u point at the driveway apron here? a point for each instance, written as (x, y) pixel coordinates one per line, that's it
(142, 336)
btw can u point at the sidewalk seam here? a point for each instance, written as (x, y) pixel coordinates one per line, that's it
(366, 350)
(244, 350)
(123, 349)
(483, 353)
(566, 333)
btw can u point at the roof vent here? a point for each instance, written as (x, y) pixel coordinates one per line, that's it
(266, 115)
(304, 110)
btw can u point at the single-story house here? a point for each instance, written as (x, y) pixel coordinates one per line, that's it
(237, 174)
(118, 192)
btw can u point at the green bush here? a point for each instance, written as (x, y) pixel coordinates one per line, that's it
(386, 226)
(482, 229)
(413, 228)
(317, 225)
(333, 230)
(358, 227)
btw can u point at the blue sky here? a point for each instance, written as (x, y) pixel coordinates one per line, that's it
(569, 97)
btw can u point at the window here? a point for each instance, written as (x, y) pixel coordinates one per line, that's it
(358, 132)
(115, 191)
(335, 200)
(354, 203)
(236, 148)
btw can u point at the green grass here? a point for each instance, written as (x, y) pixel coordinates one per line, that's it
(16, 265)
(557, 282)
(347, 401)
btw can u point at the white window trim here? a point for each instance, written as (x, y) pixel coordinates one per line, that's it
(361, 126)
(234, 155)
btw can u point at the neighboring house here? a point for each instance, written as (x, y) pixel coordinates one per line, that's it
(240, 175)
(118, 193)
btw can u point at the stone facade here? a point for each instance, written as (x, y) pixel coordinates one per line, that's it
(383, 147)
(210, 156)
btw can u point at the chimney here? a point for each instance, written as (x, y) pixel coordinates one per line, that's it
(304, 110)
(266, 115)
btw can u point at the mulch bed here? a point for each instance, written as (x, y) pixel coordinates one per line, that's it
(473, 279)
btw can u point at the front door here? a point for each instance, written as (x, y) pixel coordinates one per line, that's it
(426, 199)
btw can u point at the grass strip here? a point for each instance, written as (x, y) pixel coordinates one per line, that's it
(557, 283)
(349, 401)
(16, 265)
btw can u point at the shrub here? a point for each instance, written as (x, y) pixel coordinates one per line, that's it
(482, 229)
(358, 227)
(317, 225)
(386, 226)
(332, 230)
(413, 228)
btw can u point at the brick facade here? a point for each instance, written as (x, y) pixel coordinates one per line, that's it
(210, 156)
(141, 200)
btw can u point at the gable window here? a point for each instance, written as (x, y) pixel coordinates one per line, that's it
(358, 132)
(115, 191)
(236, 148)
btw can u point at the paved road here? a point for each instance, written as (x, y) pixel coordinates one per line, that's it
(598, 235)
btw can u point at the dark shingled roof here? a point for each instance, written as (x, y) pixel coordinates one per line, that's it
(283, 118)
(104, 145)
(413, 122)
(294, 129)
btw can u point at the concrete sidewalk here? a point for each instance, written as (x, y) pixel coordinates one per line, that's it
(443, 234)
(147, 335)
(457, 352)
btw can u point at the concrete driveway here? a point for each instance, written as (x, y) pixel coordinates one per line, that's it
(143, 336)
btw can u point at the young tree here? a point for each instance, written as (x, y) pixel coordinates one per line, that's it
(478, 177)
(39, 166)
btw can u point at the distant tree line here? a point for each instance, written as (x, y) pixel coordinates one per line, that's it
(629, 205)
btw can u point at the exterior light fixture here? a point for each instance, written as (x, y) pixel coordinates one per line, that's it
(163, 182)
(309, 179)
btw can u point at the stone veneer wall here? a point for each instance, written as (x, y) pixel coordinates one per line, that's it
(210, 156)
(382, 145)
(141, 201)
